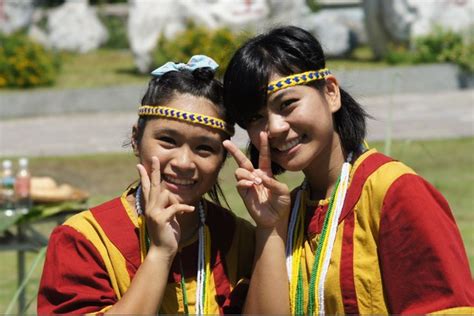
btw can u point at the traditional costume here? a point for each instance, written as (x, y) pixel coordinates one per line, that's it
(395, 247)
(385, 242)
(93, 256)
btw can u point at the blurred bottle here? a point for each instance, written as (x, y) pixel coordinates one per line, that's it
(22, 187)
(7, 201)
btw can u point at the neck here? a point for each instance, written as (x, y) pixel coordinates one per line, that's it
(324, 171)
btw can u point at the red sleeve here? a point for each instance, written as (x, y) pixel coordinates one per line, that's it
(74, 277)
(423, 260)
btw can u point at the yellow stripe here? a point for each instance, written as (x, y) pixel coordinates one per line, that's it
(367, 275)
(114, 261)
(297, 252)
(207, 259)
(465, 310)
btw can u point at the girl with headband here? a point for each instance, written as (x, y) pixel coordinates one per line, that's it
(160, 247)
(363, 234)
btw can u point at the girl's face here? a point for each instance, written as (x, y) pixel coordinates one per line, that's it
(190, 155)
(299, 123)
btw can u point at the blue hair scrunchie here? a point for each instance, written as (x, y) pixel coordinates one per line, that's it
(195, 62)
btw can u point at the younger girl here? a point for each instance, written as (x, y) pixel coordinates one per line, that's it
(366, 234)
(160, 247)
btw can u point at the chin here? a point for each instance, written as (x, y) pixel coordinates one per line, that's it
(293, 165)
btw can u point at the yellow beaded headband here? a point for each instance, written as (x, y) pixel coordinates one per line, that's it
(297, 79)
(189, 117)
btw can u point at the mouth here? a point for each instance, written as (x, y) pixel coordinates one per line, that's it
(178, 181)
(288, 145)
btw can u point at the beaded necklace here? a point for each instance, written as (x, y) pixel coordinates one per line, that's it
(295, 245)
(204, 260)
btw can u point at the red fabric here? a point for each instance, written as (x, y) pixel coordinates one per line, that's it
(74, 279)
(365, 169)
(423, 262)
(349, 297)
(116, 223)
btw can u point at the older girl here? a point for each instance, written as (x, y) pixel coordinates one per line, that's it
(160, 247)
(366, 234)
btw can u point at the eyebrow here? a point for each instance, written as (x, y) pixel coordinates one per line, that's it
(281, 95)
(175, 133)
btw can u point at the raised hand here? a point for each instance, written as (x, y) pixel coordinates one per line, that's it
(267, 200)
(161, 210)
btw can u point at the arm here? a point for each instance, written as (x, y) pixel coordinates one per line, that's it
(268, 202)
(424, 265)
(269, 291)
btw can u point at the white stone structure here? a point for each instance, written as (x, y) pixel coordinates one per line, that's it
(74, 26)
(15, 14)
(403, 20)
(148, 20)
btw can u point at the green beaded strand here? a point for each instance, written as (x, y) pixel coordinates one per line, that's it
(314, 269)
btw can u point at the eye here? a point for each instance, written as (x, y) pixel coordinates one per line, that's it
(287, 103)
(206, 148)
(167, 140)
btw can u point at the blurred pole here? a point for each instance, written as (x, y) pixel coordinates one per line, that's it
(389, 124)
(21, 270)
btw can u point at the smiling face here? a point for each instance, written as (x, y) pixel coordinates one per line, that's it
(190, 155)
(299, 122)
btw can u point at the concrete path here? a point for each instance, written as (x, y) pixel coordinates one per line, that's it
(444, 114)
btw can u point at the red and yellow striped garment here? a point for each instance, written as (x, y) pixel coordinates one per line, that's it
(397, 248)
(93, 256)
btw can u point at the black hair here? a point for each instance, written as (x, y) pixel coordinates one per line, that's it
(284, 50)
(199, 83)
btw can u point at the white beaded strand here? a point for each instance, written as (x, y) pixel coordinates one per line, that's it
(344, 183)
(201, 275)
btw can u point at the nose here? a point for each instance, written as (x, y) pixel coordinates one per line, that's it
(276, 125)
(183, 160)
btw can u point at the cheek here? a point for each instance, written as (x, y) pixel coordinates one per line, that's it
(145, 159)
(211, 166)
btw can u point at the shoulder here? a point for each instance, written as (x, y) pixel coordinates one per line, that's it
(374, 174)
(95, 218)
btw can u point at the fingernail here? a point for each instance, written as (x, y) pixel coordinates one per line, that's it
(257, 180)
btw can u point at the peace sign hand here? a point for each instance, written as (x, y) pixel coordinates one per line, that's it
(161, 210)
(267, 200)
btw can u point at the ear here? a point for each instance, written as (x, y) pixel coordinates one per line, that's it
(136, 151)
(333, 94)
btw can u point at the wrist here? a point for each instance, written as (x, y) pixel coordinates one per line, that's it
(163, 256)
(279, 230)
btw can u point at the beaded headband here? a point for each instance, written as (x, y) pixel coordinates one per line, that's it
(189, 117)
(297, 79)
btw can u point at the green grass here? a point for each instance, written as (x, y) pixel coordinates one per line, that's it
(448, 164)
(103, 67)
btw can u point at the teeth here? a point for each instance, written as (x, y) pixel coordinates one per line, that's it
(178, 181)
(289, 145)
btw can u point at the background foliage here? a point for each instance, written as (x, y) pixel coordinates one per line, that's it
(219, 43)
(117, 28)
(24, 63)
(439, 46)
